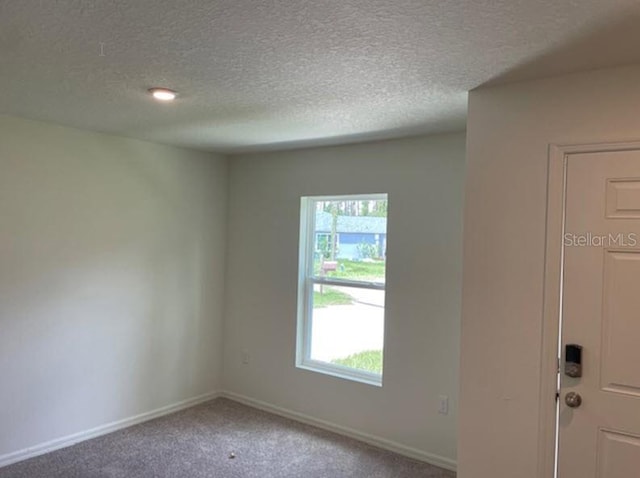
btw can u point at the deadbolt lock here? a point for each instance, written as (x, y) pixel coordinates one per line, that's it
(573, 360)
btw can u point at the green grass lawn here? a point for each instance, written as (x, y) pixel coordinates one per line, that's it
(369, 360)
(356, 270)
(330, 296)
(360, 270)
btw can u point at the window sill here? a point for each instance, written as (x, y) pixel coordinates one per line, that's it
(341, 372)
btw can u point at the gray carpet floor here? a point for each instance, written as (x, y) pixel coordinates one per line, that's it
(198, 442)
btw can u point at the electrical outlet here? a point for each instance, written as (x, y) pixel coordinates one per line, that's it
(245, 357)
(443, 408)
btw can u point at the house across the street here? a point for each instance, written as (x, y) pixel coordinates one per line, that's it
(357, 237)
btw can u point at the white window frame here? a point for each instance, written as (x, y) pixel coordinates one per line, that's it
(306, 282)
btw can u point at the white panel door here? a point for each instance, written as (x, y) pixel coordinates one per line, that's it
(600, 437)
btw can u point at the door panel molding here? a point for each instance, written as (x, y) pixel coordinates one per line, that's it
(623, 198)
(610, 444)
(558, 155)
(614, 336)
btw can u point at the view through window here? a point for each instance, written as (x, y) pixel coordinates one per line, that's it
(343, 245)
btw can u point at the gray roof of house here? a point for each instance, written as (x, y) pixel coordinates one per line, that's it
(354, 224)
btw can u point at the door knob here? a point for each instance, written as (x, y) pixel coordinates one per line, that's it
(573, 400)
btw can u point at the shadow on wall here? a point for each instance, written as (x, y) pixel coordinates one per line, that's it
(613, 42)
(102, 283)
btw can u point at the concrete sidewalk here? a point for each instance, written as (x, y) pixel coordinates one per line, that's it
(342, 330)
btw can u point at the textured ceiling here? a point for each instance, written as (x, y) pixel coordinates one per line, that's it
(269, 74)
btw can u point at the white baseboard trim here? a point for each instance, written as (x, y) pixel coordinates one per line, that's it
(376, 441)
(69, 440)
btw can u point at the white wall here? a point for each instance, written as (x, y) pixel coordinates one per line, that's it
(111, 279)
(509, 130)
(424, 179)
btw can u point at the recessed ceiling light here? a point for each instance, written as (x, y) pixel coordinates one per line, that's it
(163, 94)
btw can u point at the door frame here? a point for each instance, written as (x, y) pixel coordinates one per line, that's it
(552, 296)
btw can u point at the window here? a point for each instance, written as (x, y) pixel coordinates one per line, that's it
(341, 289)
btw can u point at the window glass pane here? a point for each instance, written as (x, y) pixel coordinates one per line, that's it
(350, 239)
(348, 327)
